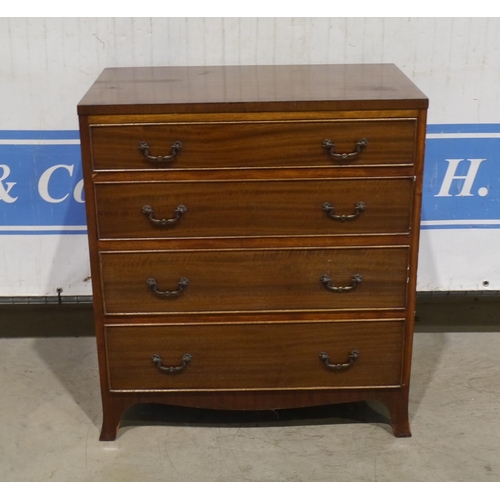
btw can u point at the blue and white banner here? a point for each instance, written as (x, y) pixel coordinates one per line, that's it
(41, 186)
(462, 177)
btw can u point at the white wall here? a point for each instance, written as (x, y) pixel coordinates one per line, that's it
(47, 64)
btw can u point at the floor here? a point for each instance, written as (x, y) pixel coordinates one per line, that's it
(50, 413)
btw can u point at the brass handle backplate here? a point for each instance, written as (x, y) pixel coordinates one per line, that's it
(174, 151)
(353, 356)
(156, 359)
(181, 285)
(359, 146)
(358, 208)
(178, 213)
(327, 283)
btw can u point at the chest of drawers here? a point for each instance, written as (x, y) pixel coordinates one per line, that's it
(253, 235)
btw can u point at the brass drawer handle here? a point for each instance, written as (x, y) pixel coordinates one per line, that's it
(327, 282)
(156, 359)
(358, 208)
(178, 213)
(353, 356)
(174, 150)
(153, 285)
(330, 147)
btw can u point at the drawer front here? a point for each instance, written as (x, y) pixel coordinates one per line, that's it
(255, 356)
(253, 144)
(256, 280)
(258, 208)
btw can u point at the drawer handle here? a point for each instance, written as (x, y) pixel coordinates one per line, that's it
(330, 147)
(153, 285)
(156, 359)
(178, 213)
(358, 208)
(327, 282)
(353, 356)
(174, 150)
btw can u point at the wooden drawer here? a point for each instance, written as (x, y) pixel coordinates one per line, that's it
(255, 356)
(253, 144)
(258, 208)
(254, 280)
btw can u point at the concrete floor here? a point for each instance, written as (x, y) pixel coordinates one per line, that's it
(50, 414)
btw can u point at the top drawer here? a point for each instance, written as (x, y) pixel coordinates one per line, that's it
(254, 144)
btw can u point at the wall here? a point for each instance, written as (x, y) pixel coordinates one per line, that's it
(46, 65)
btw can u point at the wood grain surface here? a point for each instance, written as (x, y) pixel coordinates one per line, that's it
(251, 88)
(229, 356)
(258, 208)
(256, 280)
(254, 144)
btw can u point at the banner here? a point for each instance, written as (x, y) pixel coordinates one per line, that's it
(41, 186)
(462, 177)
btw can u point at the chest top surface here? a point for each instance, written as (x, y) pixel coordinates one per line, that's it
(195, 89)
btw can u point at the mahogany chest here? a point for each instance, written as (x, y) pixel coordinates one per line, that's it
(253, 235)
